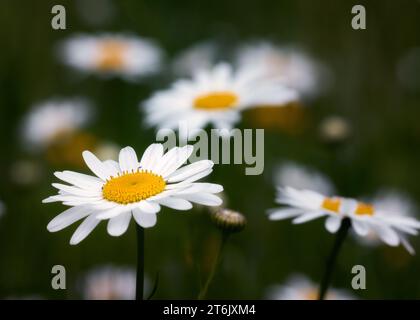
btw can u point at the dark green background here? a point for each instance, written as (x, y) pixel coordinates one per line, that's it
(383, 150)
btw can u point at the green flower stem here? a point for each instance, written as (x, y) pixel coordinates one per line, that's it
(203, 292)
(329, 267)
(140, 263)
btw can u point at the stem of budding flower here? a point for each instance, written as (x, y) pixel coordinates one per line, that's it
(329, 268)
(203, 292)
(140, 263)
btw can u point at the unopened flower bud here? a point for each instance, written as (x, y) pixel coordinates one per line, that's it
(228, 220)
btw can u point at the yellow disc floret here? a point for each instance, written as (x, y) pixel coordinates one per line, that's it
(216, 101)
(364, 209)
(332, 204)
(133, 187)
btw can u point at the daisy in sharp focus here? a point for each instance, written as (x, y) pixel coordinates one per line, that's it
(214, 96)
(53, 119)
(298, 287)
(120, 190)
(307, 205)
(112, 55)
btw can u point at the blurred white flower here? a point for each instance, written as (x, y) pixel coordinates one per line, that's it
(307, 205)
(297, 69)
(395, 202)
(112, 55)
(110, 283)
(216, 97)
(298, 287)
(129, 188)
(334, 128)
(201, 56)
(49, 120)
(301, 177)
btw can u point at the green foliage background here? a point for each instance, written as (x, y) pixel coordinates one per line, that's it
(383, 150)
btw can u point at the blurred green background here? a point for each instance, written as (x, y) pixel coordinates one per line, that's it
(382, 151)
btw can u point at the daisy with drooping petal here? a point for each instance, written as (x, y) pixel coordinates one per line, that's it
(307, 205)
(112, 55)
(109, 283)
(120, 190)
(52, 119)
(215, 96)
(298, 287)
(390, 201)
(297, 69)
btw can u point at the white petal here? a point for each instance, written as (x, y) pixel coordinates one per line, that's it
(67, 218)
(146, 220)
(407, 245)
(79, 179)
(148, 206)
(175, 203)
(190, 170)
(332, 224)
(77, 191)
(207, 199)
(118, 225)
(152, 155)
(128, 159)
(175, 160)
(202, 187)
(85, 228)
(111, 213)
(361, 228)
(389, 236)
(281, 214)
(96, 166)
(308, 217)
(113, 167)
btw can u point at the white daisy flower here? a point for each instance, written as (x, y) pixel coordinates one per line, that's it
(306, 205)
(215, 96)
(298, 287)
(390, 201)
(129, 188)
(301, 177)
(112, 55)
(51, 119)
(297, 69)
(110, 283)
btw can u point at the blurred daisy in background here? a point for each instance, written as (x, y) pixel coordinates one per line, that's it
(299, 287)
(54, 119)
(302, 177)
(307, 205)
(389, 201)
(335, 129)
(201, 56)
(215, 96)
(127, 56)
(296, 69)
(129, 188)
(109, 283)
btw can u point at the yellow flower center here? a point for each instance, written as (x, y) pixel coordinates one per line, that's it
(331, 204)
(364, 209)
(216, 101)
(111, 55)
(133, 187)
